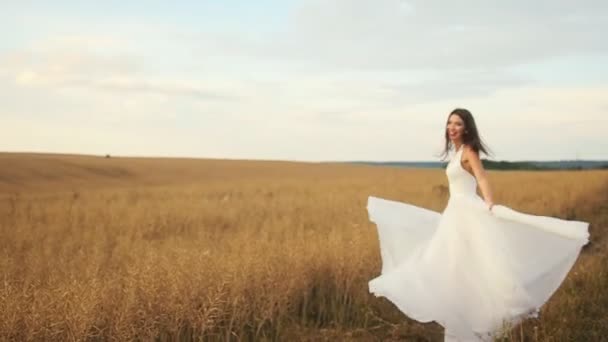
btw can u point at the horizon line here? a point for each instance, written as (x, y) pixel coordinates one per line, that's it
(109, 155)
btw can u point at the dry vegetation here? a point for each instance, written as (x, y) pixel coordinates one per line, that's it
(126, 248)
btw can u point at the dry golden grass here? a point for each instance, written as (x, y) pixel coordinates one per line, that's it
(185, 249)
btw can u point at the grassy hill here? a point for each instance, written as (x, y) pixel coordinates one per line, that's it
(22, 172)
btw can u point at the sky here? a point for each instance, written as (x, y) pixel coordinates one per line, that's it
(307, 80)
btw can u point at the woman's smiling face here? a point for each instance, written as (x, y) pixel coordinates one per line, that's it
(455, 128)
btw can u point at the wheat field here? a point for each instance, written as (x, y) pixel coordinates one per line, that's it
(171, 249)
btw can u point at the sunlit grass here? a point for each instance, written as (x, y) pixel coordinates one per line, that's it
(183, 249)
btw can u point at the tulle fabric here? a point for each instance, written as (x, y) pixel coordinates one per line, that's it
(470, 269)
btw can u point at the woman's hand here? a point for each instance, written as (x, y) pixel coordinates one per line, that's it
(490, 204)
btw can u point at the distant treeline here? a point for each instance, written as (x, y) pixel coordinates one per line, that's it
(548, 165)
(505, 165)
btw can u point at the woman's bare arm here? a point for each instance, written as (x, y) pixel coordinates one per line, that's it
(480, 175)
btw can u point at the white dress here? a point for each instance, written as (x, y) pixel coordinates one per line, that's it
(470, 269)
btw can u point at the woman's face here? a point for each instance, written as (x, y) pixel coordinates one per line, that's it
(455, 128)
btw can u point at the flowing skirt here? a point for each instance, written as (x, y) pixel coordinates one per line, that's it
(470, 269)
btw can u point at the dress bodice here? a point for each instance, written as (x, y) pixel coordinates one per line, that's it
(461, 182)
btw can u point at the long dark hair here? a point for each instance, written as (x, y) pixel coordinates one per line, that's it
(471, 137)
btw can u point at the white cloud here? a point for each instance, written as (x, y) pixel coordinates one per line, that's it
(388, 35)
(343, 80)
(75, 67)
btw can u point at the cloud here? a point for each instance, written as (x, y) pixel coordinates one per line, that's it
(439, 35)
(76, 68)
(335, 80)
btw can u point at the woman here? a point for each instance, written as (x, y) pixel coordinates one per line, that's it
(477, 267)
